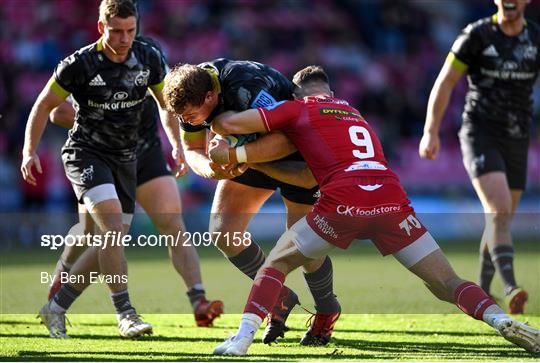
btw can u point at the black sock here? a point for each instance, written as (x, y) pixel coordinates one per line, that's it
(66, 296)
(503, 259)
(320, 283)
(195, 295)
(249, 260)
(487, 270)
(121, 302)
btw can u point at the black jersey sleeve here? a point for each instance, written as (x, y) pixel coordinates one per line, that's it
(257, 92)
(467, 45)
(192, 128)
(70, 73)
(158, 68)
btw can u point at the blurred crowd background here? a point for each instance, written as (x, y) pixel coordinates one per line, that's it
(382, 55)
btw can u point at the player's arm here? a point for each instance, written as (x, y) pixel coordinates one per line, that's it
(195, 145)
(245, 122)
(50, 97)
(63, 115)
(451, 72)
(269, 147)
(172, 129)
(288, 171)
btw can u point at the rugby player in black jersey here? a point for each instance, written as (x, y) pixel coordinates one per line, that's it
(500, 56)
(108, 80)
(197, 94)
(157, 193)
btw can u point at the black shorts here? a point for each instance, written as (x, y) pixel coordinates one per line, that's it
(484, 153)
(254, 178)
(86, 169)
(151, 164)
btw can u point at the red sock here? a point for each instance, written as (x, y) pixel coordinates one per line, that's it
(264, 292)
(472, 300)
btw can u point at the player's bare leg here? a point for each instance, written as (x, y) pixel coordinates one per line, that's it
(435, 270)
(318, 275)
(264, 294)
(71, 253)
(499, 204)
(160, 198)
(233, 207)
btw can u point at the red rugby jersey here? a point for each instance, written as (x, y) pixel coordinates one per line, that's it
(335, 140)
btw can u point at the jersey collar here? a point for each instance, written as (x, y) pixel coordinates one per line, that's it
(495, 20)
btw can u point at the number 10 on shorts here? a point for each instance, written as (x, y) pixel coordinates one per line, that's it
(408, 223)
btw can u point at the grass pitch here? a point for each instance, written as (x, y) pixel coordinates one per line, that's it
(389, 315)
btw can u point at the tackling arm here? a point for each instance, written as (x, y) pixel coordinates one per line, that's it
(245, 122)
(438, 101)
(288, 171)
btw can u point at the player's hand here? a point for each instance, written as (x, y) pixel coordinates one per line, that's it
(228, 171)
(28, 162)
(429, 146)
(218, 151)
(181, 167)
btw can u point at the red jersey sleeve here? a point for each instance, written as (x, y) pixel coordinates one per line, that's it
(280, 114)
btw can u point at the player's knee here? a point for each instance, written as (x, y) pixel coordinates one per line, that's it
(169, 223)
(500, 219)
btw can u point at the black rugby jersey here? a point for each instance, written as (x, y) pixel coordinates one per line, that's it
(244, 85)
(501, 74)
(109, 95)
(148, 127)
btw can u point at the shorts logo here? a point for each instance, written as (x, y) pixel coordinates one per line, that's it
(119, 96)
(354, 211)
(87, 174)
(478, 162)
(324, 227)
(142, 78)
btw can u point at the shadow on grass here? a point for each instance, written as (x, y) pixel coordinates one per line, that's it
(362, 350)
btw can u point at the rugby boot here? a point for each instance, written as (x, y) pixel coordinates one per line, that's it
(206, 311)
(516, 300)
(520, 334)
(321, 327)
(275, 327)
(130, 325)
(53, 321)
(234, 346)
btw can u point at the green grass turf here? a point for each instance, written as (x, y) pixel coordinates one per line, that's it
(371, 290)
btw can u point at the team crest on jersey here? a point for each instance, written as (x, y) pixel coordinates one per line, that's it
(142, 78)
(525, 51)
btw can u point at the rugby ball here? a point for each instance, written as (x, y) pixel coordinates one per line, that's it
(239, 140)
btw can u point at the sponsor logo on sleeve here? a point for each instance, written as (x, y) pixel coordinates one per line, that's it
(263, 99)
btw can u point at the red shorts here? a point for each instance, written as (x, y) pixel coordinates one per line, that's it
(375, 209)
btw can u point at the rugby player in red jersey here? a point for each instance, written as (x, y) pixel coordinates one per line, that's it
(360, 198)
